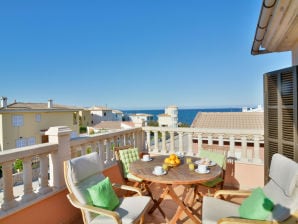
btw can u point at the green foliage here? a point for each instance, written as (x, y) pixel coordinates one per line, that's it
(152, 123)
(183, 125)
(83, 129)
(18, 165)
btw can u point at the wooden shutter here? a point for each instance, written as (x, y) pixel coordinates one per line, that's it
(280, 114)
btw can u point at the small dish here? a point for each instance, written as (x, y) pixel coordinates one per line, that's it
(146, 160)
(199, 162)
(207, 171)
(159, 174)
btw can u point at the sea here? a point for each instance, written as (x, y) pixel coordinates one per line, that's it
(185, 116)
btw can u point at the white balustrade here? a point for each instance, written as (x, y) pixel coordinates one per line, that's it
(61, 148)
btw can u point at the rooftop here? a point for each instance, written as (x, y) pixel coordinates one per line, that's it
(229, 120)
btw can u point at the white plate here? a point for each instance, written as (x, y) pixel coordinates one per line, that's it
(146, 160)
(207, 171)
(159, 174)
(211, 163)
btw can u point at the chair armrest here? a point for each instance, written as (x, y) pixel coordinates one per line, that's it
(232, 192)
(128, 188)
(90, 208)
(240, 220)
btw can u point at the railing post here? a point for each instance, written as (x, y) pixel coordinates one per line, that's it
(232, 146)
(244, 148)
(210, 140)
(190, 148)
(256, 157)
(8, 197)
(200, 142)
(220, 140)
(156, 141)
(181, 142)
(172, 142)
(148, 140)
(27, 180)
(61, 136)
(163, 142)
(43, 174)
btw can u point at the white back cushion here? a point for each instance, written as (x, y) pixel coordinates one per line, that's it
(284, 172)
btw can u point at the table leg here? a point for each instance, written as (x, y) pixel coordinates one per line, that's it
(156, 202)
(181, 208)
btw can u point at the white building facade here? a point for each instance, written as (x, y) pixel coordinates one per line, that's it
(169, 118)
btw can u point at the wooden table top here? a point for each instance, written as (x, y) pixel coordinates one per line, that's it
(175, 175)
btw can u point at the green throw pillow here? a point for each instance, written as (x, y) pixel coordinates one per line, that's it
(256, 206)
(103, 195)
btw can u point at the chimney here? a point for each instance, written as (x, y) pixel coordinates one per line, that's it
(3, 101)
(50, 103)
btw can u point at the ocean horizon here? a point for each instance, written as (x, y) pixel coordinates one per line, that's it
(185, 116)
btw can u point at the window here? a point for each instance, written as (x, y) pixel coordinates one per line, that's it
(17, 120)
(37, 117)
(21, 142)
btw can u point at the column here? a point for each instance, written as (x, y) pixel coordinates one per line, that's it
(244, 148)
(210, 141)
(163, 142)
(190, 146)
(61, 136)
(8, 197)
(181, 150)
(220, 140)
(27, 180)
(148, 141)
(256, 157)
(232, 146)
(43, 174)
(200, 142)
(156, 141)
(172, 142)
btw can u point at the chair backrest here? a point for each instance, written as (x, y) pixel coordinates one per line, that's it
(282, 188)
(127, 156)
(80, 173)
(219, 157)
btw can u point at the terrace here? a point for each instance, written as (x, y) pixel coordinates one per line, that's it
(276, 32)
(47, 196)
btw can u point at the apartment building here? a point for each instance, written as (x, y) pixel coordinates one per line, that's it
(23, 124)
(169, 118)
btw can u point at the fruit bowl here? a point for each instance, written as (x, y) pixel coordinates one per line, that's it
(172, 160)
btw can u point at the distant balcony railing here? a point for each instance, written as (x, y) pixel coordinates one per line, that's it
(156, 140)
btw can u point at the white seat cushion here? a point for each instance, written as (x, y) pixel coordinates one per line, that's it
(130, 209)
(215, 209)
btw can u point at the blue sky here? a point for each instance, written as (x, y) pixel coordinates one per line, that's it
(133, 54)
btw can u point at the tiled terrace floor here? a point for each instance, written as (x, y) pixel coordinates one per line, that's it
(169, 207)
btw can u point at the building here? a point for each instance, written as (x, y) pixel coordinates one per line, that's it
(23, 124)
(169, 118)
(99, 114)
(276, 31)
(118, 115)
(226, 123)
(140, 119)
(85, 118)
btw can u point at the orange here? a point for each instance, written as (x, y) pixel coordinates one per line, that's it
(177, 161)
(172, 162)
(167, 160)
(173, 156)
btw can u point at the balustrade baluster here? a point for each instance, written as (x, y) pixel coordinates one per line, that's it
(43, 174)
(27, 180)
(8, 197)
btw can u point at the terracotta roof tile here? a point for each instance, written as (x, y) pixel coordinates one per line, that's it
(229, 120)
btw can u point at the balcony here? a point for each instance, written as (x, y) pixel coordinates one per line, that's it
(42, 195)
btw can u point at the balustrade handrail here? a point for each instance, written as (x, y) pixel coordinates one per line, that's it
(27, 151)
(61, 148)
(206, 130)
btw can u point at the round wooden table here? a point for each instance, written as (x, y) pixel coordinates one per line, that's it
(179, 175)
